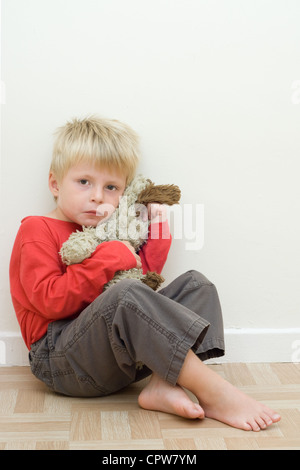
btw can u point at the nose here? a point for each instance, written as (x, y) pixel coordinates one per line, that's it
(97, 194)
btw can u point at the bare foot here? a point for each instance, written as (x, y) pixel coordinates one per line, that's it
(221, 400)
(231, 406)
(159, 395)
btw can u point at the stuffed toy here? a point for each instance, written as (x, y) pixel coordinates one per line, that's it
(128, 222)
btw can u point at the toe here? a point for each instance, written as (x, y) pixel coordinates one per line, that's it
(196, 411)
(261, 422)
(268, 421)
(270, 416)
(247, 427)
(254, 425)
(276, 417)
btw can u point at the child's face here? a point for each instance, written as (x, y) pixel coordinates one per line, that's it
(82, 191)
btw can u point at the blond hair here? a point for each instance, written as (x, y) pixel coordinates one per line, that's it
(101, 142)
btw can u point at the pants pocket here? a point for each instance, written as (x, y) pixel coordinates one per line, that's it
(40, 368)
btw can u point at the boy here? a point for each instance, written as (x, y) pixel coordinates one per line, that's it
(85, 342)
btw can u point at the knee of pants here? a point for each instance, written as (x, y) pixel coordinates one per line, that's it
(200, 278)
(120, 289)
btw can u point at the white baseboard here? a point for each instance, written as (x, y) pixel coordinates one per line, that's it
(13, 351)
(242, 345)
(261, 345)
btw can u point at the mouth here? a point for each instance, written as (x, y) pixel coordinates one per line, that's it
(91, 213)
(98, 213)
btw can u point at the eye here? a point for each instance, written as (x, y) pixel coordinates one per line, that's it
(111, 187)
(83, 182)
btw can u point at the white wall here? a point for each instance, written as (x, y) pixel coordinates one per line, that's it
(213, 89)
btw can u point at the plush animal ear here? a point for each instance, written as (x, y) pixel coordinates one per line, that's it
(161, 194)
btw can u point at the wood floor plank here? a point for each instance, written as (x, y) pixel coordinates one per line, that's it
(144, 425)
(85, 425)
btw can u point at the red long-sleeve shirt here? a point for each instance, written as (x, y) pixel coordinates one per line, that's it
(44, 290)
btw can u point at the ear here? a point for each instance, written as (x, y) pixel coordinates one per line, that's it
(53, 184)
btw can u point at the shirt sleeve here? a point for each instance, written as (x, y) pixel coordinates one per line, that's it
(155, 251)
(56, 292)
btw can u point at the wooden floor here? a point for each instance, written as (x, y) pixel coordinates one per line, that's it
(31, 417)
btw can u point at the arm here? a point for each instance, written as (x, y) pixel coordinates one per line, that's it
(55, 292)
(155, 251)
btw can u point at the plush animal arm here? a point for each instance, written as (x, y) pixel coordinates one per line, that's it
(126, 223)
(168, 194)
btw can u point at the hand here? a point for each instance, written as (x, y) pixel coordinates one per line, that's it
(138, 259)
(157, 212)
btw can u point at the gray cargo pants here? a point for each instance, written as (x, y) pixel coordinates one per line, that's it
(97, 353)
